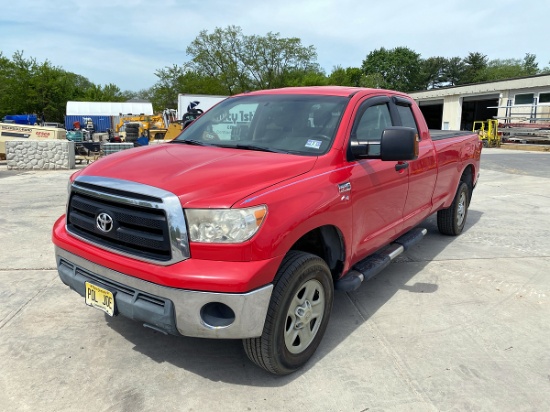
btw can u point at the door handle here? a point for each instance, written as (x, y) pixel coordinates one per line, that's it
(401, 166)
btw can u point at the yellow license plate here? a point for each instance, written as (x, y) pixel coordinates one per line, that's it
(100, 298)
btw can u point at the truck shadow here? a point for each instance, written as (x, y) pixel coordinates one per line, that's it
(225, 360)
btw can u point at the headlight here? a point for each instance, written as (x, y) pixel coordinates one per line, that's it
(224, 225)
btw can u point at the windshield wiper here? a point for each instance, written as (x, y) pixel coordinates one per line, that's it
(258, 148)
(191, 142)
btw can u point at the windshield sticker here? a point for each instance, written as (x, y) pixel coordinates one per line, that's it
(313, 144)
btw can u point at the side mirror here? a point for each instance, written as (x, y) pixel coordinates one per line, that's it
(396, 144)
(399, 143)
(359, 150)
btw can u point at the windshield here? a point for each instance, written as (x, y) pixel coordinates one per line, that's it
(297, 124)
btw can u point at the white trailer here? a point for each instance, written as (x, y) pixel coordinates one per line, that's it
(196, 101)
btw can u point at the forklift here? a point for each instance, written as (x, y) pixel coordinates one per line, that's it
(488, 133)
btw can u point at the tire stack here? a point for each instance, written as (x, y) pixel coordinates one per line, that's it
(132, 131)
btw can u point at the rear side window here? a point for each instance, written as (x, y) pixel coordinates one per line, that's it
(407, 117)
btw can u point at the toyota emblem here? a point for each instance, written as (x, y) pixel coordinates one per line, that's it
(104, 222)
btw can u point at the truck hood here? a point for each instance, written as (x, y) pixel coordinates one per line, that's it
(202, 177)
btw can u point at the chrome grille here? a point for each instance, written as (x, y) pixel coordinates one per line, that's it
(147, 223)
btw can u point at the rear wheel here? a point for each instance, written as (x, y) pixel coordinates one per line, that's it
(297, 317)
(451, 221)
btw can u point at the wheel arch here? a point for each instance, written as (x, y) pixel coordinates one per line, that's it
(327, 242)
(468, 178)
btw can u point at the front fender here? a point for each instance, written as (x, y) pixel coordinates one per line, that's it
(298, 207)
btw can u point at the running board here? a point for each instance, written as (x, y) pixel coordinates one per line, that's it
(375, 263)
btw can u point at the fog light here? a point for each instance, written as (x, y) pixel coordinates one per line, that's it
(217, 315)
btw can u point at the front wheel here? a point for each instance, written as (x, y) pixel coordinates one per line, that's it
(451, 221)
(297, 317)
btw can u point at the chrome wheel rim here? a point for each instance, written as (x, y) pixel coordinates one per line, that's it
(304, 316)
(461, 209)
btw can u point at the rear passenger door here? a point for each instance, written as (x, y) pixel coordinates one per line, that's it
(423, 170)
(378, 189)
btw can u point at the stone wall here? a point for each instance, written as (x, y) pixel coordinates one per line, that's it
(40, 154)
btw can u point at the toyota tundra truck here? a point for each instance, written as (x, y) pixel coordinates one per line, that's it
(245, 225)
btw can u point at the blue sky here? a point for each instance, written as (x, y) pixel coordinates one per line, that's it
(125, 41)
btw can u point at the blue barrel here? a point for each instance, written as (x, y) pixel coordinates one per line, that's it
(101, 123)
(29, 119)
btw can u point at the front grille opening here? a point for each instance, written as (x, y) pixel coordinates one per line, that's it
(134, 294)
(152, 300)
(107, 284)
(137, 230)
(64, 263)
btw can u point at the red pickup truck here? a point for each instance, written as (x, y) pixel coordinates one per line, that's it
(244, 225)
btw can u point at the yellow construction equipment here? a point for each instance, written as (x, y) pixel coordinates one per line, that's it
(177, 126)
(154, 127)
(488, 132)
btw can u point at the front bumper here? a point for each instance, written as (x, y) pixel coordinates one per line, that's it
(171, 310)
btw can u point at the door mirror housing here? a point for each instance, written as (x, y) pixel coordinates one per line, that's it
(396, 144)
(399, 143)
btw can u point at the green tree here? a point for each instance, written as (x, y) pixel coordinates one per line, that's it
(20, 72)
(399, 68)
(271, 61)
(453, 72)
(6, 76)
(181, 79)
(106, 93)
(30, 87)
(530, 65)
(305, 77)
(47, 92)
(433, 72)
(164, 93)
(243, 62)
(350, 76)
(474, 68)
(501, 69)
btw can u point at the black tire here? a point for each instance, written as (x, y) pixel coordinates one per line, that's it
(451, 221)
(131, 137)
(297, 316)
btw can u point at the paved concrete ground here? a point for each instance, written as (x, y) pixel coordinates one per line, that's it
(458, 324)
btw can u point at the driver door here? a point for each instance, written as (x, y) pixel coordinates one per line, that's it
(378, 188)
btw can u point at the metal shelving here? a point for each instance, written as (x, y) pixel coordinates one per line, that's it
(525, 123)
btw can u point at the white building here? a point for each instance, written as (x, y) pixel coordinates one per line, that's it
(104, 115)
(108, 108)
(523, 101)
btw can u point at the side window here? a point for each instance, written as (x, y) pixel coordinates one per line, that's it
(407, 117)
(372, 123)
(526, 98)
